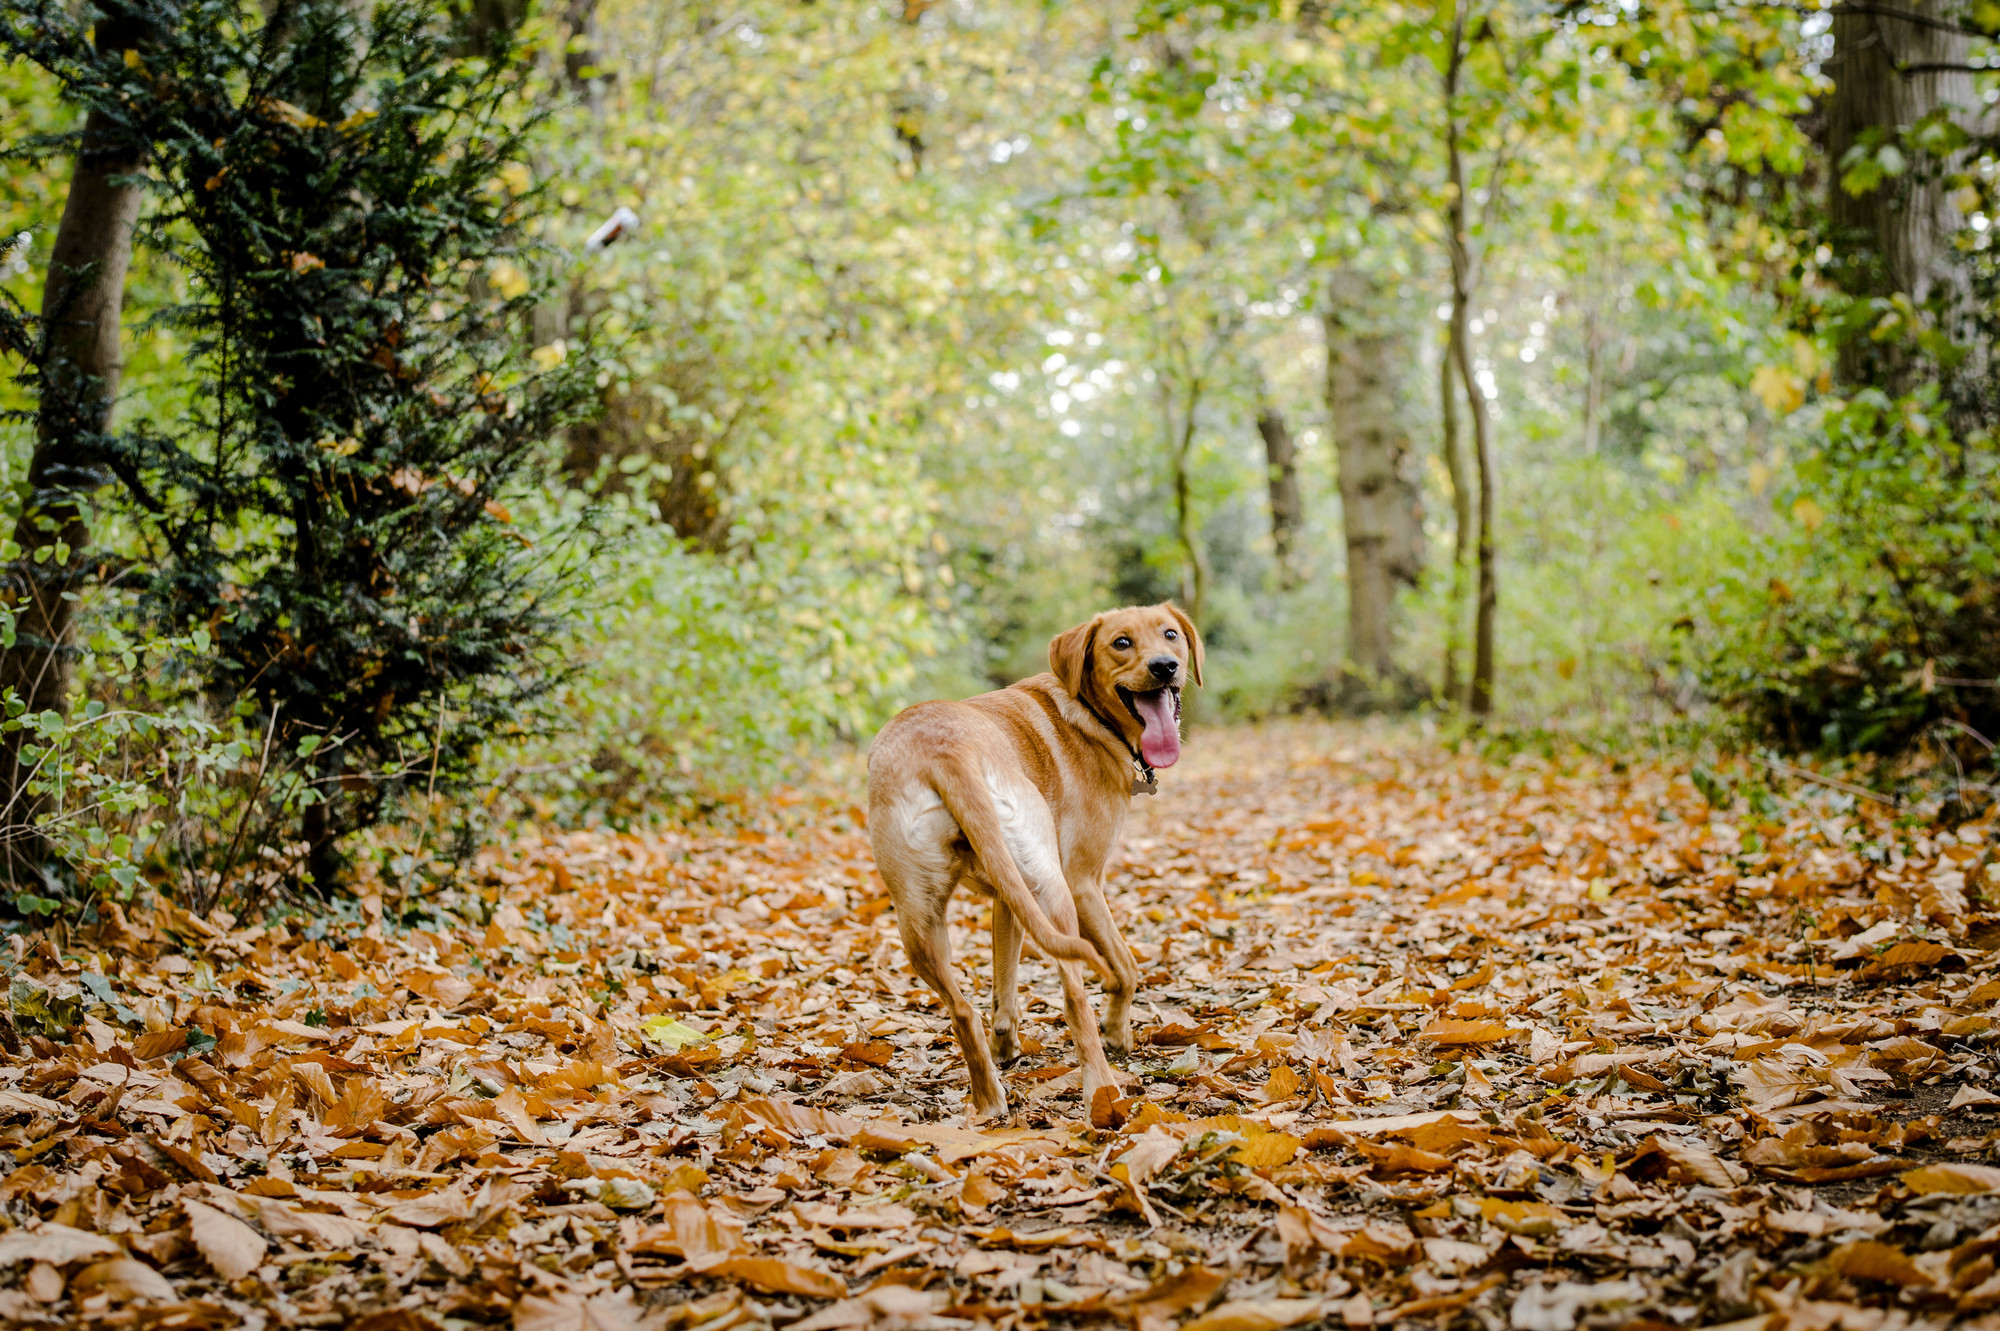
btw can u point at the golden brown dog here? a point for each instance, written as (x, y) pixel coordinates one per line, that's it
(1022, 794)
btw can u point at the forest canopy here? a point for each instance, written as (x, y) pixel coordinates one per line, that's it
(585, 412)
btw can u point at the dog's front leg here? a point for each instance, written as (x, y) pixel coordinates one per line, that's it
(1007, 935)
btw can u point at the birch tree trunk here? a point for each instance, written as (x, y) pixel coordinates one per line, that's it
(1381, 510)
(82, 299)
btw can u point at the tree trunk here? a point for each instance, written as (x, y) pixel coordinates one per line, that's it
(1461, 514)
(1479, 698)
(1180, 440)
(1381, 511)
(1593, 379)
(1893, 66)
(82, 299)
(1282, 473)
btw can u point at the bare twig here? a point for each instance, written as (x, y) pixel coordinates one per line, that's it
(1831, 782)
(249, 807)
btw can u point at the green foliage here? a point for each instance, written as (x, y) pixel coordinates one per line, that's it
(700, 676)
(943, 327)
(1873, 611)
(329, 505)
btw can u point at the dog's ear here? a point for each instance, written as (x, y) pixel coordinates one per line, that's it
(1195, 650)
(1069, 655)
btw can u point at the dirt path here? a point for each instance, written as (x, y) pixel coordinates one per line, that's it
(1425, 1039)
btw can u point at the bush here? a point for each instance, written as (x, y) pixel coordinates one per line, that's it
(348, 199)
(1874, 614)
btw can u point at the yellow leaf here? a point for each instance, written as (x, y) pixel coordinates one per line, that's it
(515, 177)
(1534, 1219)
(670, 1032)
(549, 356)
(1808, 514)
(1780, 390)
(509, 281)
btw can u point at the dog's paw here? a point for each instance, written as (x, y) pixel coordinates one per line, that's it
(1006, 1045)
(993, 1113)
(1117, 1040)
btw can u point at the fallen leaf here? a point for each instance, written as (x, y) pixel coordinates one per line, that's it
(231, 1247)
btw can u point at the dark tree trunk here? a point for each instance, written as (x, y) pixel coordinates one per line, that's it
(1282, 473)
(1180, 443)
(1381, 511)
(82, 299)
(579, 55)
(1479, 699)
(1891, 68)
(1461, 516)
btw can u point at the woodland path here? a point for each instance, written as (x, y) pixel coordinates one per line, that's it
(1426, 1039)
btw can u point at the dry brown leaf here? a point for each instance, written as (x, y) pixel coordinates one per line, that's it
(890, 1307)
(1867, 1259)
(1964, 1179)
(123, 1280)
(1451, 1031)
(57, 1245)
(231, 1247)
(1256, 1315)
(615, 1311)
(781, 1277)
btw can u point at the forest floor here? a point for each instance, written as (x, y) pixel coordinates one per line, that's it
(1425, 1039)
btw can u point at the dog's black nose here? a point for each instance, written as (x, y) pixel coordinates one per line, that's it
(1164, 668)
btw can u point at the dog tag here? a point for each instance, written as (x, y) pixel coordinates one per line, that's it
(1145, 785)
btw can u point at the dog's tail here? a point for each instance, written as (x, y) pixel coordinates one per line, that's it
(970, 804)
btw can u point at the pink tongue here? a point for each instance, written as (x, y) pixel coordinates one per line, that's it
(1161, 744)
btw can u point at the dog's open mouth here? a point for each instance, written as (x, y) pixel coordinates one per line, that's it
(1159, 713)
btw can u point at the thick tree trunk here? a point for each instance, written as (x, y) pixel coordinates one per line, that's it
(1282, 473)
(1381, 510)
(1479, 699)
(1892, 67)
(82, 299)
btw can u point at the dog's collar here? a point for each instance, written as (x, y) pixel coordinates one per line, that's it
(1145, 781)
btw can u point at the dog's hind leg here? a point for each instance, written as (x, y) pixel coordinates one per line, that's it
(1094, 918)
(928, 943)
(1007, 935)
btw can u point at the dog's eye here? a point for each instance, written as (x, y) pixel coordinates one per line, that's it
(1122, 643)
(1171, 635)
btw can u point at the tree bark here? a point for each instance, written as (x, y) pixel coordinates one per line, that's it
(1593, 379)
(82, 300)
(1461, 515)
(1889, 73)
(1282, 474)
(1381, 511)
(1464, 281)
(1180, 439)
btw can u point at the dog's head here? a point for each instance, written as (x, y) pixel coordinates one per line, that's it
(1129, 667)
